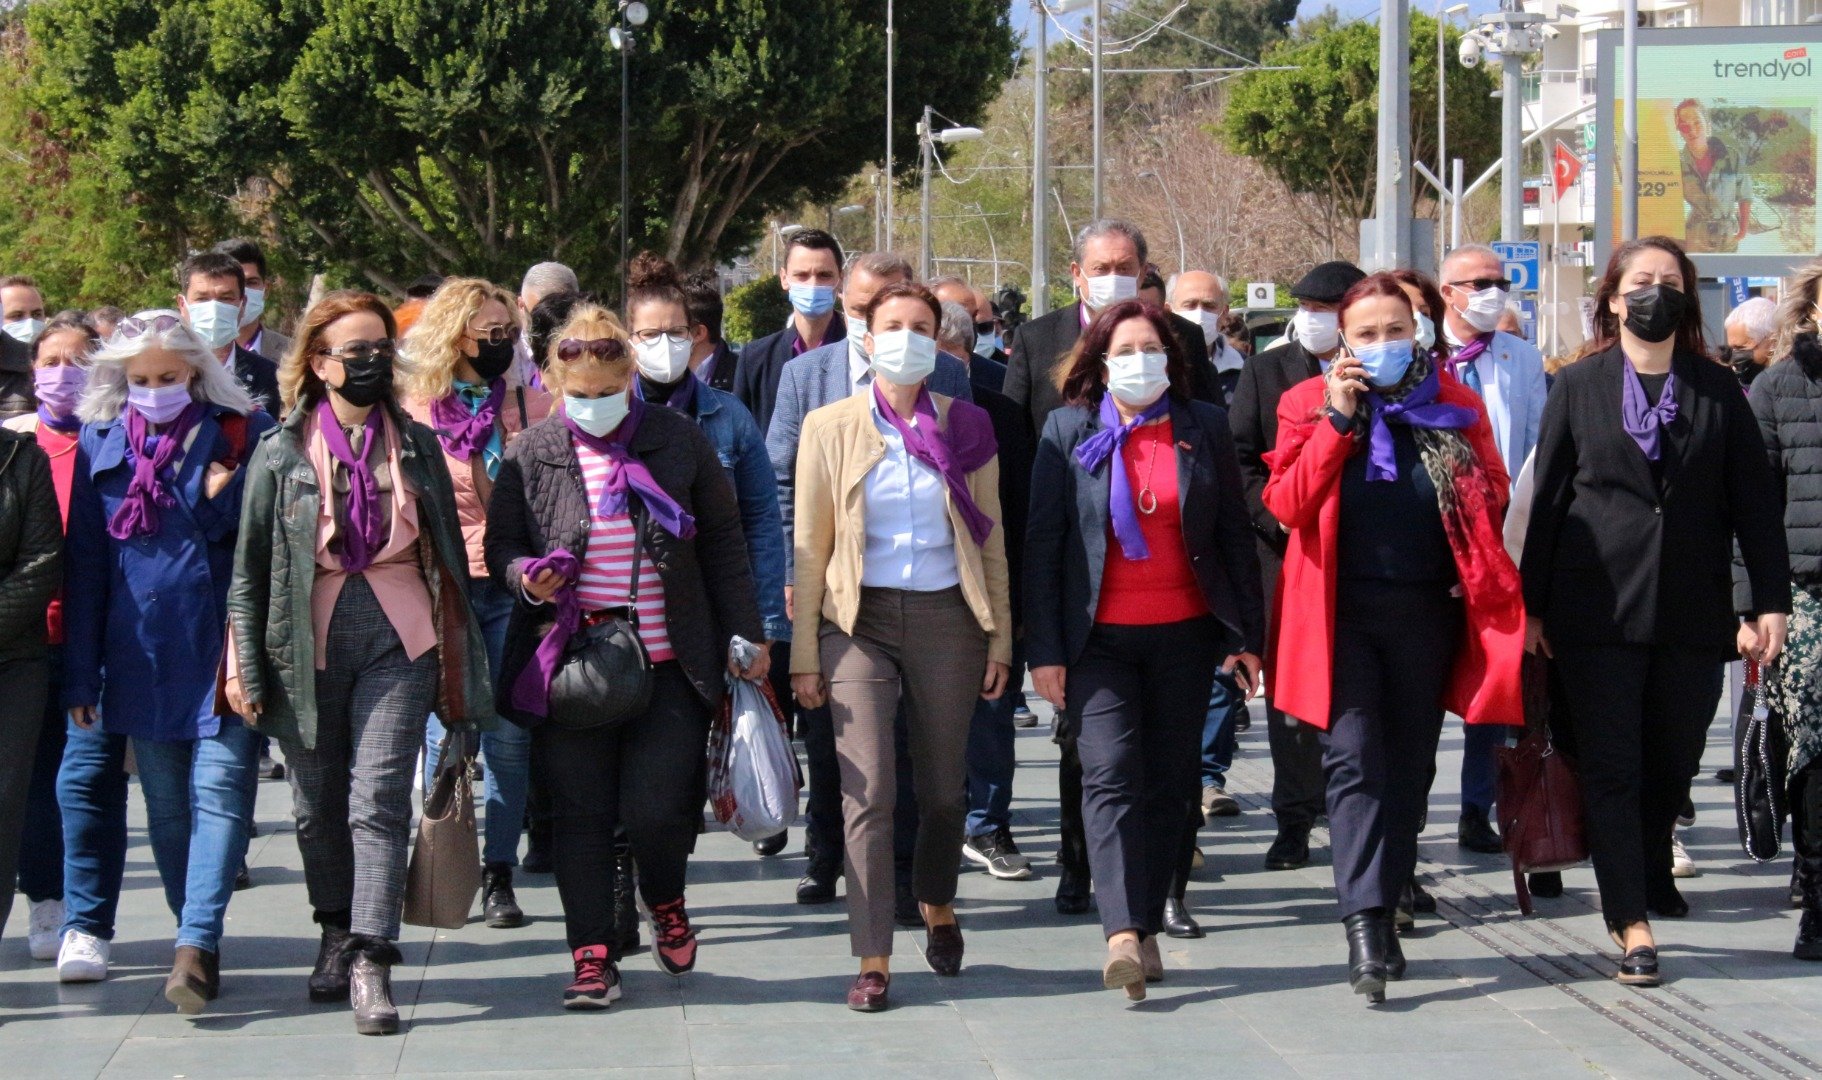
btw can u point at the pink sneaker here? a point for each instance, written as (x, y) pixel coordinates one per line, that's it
(597, 983)
(675, 947)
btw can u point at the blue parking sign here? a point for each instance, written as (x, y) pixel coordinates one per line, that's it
(1520, 259)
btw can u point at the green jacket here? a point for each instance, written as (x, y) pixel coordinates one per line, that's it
(275, 568)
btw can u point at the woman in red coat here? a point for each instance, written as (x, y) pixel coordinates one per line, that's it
(1397, 600)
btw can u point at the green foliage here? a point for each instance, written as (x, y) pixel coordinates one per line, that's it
(381, 138)
(1316, 126)
(754, 310)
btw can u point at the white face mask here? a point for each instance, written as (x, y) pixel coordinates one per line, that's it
(24, 331)
(1317, 331)
(1109, 289)
(1210, 324)
(253, 308)
(1137, 379)
(664, 360)
(1426, 332)
(903, 357)
(1484, 309)
(597, 416)
(215, 322)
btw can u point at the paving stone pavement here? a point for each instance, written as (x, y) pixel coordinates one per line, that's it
(1262, 997)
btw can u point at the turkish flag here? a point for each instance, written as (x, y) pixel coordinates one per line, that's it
(1566, 167)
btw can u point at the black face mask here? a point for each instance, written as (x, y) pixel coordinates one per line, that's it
(1655, 311)
(366, 383)
(1741, 361)
(491, 360)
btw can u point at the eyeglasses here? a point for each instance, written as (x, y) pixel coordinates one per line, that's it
(133, 326)
(360, 351)
(496, 335)
(606, 350)
(677, 334)
(1479, 283)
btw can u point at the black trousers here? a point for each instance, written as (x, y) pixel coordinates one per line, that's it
(645, 775)
(21, 719)
(1139, 695)
(1394, 648)
(1805, 790)
(1640, 714)
(1296, 747)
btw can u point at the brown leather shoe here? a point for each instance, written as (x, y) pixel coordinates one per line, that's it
(1124, 969)
(195, 979)
(943, 952)
(868, 994)
(1151, 960)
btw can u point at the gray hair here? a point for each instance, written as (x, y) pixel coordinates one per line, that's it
(1094, 230)
(1170, 286)
(549, 277)
(1758, 316)
(884, 264)
(957, 330)
(213, 384)
(940, 280)
(1478, 251)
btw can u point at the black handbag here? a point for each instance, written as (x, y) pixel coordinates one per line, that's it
(605, 676)
(1760, 760)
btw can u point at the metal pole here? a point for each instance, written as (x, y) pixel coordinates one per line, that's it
(1442, 117)
(1393, 185)
(1455, 196)
(1511, 177)
(926, 146)
(626, 84)
(1098, 11)
(1040, 165)
(890, 33)
(1629, 138)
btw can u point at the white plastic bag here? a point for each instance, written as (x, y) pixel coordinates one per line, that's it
(753, 776)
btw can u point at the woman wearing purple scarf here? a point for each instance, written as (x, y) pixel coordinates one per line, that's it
(1649, 470)
(154, 512)
(459, 382)
(901, 593)
(1141, 578)
(349, 610)
(614, 506)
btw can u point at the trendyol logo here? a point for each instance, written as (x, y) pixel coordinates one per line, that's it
(1795, 64)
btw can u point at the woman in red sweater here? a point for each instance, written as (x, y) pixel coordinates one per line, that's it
(1141, 575)
(1397, 601)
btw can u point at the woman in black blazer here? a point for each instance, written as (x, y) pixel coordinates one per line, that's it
(1140, 574)
(1648, 467)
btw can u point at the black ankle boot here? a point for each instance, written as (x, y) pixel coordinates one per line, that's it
(1178, 922)
(498, 904)
(1809, 927)
(1367, 932)
(329, 979)
(370, 985)
(1394, 953)
(626, 906)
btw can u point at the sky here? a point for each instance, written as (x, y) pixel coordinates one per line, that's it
(1351, 9)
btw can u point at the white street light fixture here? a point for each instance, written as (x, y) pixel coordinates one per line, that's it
(958, 134)
(636, 13)
(927, 140)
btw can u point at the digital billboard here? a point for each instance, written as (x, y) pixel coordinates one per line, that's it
(1728, 147)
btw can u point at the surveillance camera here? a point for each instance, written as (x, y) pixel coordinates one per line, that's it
(1470, 52)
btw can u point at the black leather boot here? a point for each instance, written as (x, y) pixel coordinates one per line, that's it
(1367, 932)
(498, 904)
(1809, 927)
(1394, 953)
(370, 986)
(1806, 837)
(1178, 922)
(626, 904)
(329, 979)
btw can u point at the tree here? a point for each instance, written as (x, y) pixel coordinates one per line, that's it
(385, 137)
(1316, 127)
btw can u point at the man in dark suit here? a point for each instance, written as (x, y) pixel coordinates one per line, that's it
(212, 293)
(255, 335)
(711, 358)
(1298, 786)
(811, 277)
(1109, 260)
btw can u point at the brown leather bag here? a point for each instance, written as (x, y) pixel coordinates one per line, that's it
(1540, 799)
(445, 871)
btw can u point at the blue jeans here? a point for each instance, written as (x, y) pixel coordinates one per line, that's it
(993, 755)
(41, 843)
(92, 793)
(197, 796)
(1219, 738)
(506, 750)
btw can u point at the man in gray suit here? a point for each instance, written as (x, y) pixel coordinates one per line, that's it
(822, 376)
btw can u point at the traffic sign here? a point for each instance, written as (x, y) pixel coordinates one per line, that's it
(1521, 259)
(1261, 294)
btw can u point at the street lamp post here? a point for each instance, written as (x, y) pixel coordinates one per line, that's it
(891, 33)
(1040, 161)
(927, 138)
(1175, 218)
(1099, 11)
(628, 14)
(1442, 97)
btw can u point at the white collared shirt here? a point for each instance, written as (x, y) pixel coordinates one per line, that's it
(860, 367)
(910, 542)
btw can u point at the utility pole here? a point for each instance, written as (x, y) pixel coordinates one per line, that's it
(890, 34)
(1099, 10)
(1040, 163)
(1629, 138)
(1392, 210)
(926, 245)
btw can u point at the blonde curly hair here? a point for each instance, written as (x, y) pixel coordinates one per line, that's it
(588, 322)
(1797, 309)
(433, 347)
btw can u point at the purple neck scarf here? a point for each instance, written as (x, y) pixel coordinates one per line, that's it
(1418, 409)
(683, 395)
(531, 690)
(952, 459)
(1641, 419)
(1107, 443)
(366, 532)
(151, 456)
(466, 433)
(69, 425)
(631, 472)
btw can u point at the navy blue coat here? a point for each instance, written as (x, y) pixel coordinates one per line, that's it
(762, 364)
(144, 618)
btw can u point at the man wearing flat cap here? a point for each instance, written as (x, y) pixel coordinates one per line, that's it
(1297, 782)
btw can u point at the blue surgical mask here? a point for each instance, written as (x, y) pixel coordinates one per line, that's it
(597, 416)
(812, 301)
(1385, 361)
(216, 322)
(985, 345)
(253, 308)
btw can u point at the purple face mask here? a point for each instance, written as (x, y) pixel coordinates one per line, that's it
(60, 387)
(159, 404)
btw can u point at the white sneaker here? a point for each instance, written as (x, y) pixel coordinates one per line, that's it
(46, 925)
(1681, 865)
(83, 958)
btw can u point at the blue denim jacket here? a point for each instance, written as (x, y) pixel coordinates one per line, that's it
(741, 448)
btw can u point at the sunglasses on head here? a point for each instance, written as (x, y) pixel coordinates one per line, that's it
(133, 326)
(603, 349)
(1479, 283)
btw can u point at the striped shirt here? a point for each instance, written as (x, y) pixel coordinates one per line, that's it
(607, 570)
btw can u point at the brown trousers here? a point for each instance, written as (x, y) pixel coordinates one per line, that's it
(929, 649)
